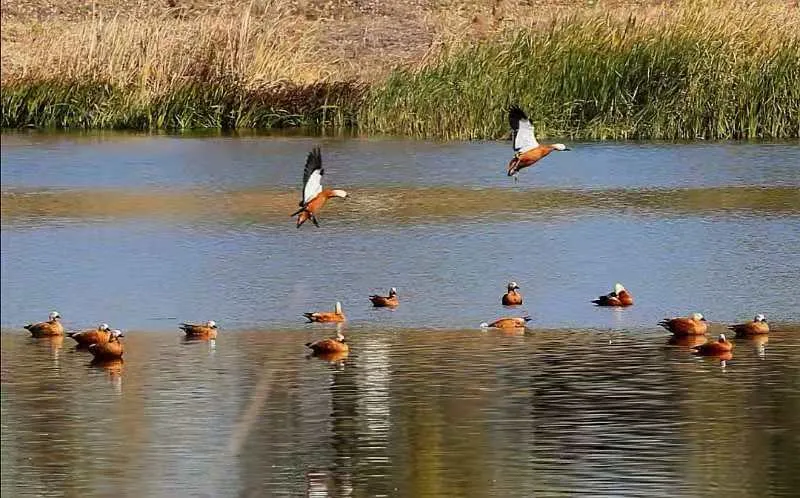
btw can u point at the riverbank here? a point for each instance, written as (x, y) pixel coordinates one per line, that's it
(419, 68)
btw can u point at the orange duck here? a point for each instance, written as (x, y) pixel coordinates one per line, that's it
(110, 350)
(758, 326)
(513, 297)
(207, 330)
(327, 316)
(313, 196)
(714, 348)
(527, 151)
(52, 327)
(329, 346)
(694, 324)
(619, 297)
(85, 338)
(385, 301)
(507, 323)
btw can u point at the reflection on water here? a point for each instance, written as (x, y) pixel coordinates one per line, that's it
(407, 413)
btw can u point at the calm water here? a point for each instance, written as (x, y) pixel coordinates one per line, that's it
(143, 232)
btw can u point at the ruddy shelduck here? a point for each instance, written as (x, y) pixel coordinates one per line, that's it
(314, 197)
(95, 336)
(694, 324)
(513, 297)
(714, 348)
(206, 330)
(507, 323)
(110, 350)
(758, 326)
(52, 327)
(619, 297)
(527, 151)
(389, 301)
(326, 346)
(327, 316)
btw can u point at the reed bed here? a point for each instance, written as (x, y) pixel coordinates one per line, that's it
(697, 70)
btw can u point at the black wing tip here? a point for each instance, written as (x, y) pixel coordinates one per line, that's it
(515, 112)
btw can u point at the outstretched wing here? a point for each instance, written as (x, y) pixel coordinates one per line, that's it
(522, 130)
(312, 176)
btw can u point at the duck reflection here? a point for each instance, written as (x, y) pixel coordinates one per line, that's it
(113, 367)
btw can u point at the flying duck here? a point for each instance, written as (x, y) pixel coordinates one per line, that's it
(313, 196)
(694, 324)
(51, 327)
(207, 330)
(332, 345)
(385, 301)
(758, 326)
(327, 316)
(513, 297)
(110, 350)
(618, 297)
(713, 348)
(507, 323)
(85, 338)
(527, 151)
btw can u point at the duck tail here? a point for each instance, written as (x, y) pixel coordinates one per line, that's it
(28, 327)
(527, 318)
(597, 301)
(308, 344)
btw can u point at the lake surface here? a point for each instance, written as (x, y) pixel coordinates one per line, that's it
(143, 232)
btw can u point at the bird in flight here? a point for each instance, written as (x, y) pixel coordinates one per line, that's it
(527, 151)
(314, 197)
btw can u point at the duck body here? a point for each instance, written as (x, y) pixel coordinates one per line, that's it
(389, 301)
(334, 316)
(692, 325)
(758, 326)
(314, 197)
(508, 323)
(527, 150)
(619, 297)
(328, 346)
(52, 327)
(110, 350)
(714, 348)
(207, 330)
(85, 338)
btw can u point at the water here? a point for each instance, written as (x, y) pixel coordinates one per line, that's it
(145, 231)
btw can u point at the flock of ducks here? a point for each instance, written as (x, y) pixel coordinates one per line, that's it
(104, 343)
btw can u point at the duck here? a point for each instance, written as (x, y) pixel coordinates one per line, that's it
(619, 297)
(110, 350)
(385, 301)
(52, 327)
(314, 197)
(713, 348)
(508, 323)
(758, 326)
(94, 336)
(694, 324)
(527, 150)
(327, 316)
(207, 330)
(513, 297)
(332, 345)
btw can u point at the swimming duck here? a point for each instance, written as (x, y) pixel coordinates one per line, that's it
(207, 330)
(327, 316)
(713, 348)
(618, 297)
(49, 328)
(694, 324)
(333, 345)
(95, 336)
(110, 350)
(513, 297)
(508, 323)
(385, 301)
(527, 151)
(758, 326)
(313, 196)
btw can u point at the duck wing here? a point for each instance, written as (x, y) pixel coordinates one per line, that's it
(523, 139)
(312, 176)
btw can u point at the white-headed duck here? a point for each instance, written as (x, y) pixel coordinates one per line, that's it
(527, 151)
(313, 196)
(619, 297)
(327, 346)
(385, 301)
(52, 327)
(508, 323)
(110, 350)
(513, 297)
(694, 324)
(758, 326)
(206, 330)
(714, 348)
(327, 316)
(94, 336)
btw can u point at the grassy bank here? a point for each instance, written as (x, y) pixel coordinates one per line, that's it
(720, 70)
